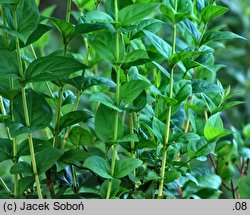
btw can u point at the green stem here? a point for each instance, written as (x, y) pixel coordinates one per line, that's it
(4, 185)
(132, 143)
(68, 10)
(114, 147)
(79, 93)
(114, 150)
(169, 112)
(26, 113)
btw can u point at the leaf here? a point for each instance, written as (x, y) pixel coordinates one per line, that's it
(128, 138)
(37, 34)
(73, 118)
(84, 28)
(46, 158)
(73, 156)
(99, 166)
(104, 99)
(162, 69)
(161, 46)
(125, 166)
(21, 168)
(52, 68)
(171, 175)
(209, 12)
(219, 35)
(244, 184)
(5, 149)
(8, 66)
(39, 111)
(132, 89)
(182, 89)
(114, 190)
(83, 83)
(67, 30)
(213, 129)
(80, 136)
(184, 10)
(202, 86)
(39, 144)
(210, 181)
(27, 18)
(246, 131)
(105, 126)
(97, 16)
(25, 183)
(136, 12)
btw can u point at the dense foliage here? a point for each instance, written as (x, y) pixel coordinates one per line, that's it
(121, 99)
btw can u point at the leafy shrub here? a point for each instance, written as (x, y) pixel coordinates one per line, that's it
(135, 112)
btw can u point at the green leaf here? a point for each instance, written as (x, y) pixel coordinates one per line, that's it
(99, 166)
(132, 89)
(105, 126)
(210, 181)
(97, 16)
(211, 11)
(39, 111)
(37, 34)
(73, 156)
(27, 18)
(73, 118)
(51, 68)
(244, 184)
(25, 183)
(80, 136)
(104, 99)
(21, 168)
(213, 129)
(246, 131)
(85, 28)
(5, 149)
(125, 166)
(184, 10)
(46, 158)
(202, 86)
(8, 66)
(136, 12)
(182, 89)
(67, 30)
(114, 190)
(128, 138)
(161, 46)
(213, 36)
(39, 144)
(83, 83)
(171, 175)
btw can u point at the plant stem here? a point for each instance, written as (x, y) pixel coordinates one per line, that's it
(4, 185)
(26, 113)
(114, 147)
(169, 112)
(78, 95)
(68, 10)
(132, 143)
